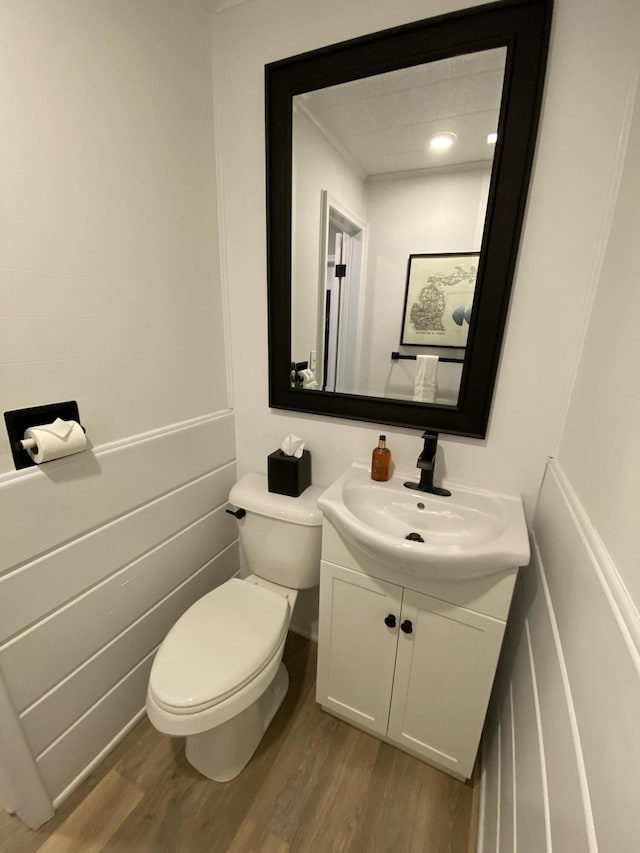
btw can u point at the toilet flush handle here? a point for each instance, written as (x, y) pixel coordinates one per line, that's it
(239, 513)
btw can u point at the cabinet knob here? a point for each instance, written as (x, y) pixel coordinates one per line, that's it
(407, 627)
(390, 621)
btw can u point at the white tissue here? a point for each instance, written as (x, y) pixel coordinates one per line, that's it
(292, 445)
(53, 441)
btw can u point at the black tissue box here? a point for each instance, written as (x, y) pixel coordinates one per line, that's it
(287, 475)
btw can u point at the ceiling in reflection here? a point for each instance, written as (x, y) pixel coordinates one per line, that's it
(384, 123)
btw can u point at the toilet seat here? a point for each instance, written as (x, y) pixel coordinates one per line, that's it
(190, 675)
(182, 725)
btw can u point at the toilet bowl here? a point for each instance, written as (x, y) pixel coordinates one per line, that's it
(218, 677)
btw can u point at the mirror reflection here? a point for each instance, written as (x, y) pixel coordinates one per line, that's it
(391, 177)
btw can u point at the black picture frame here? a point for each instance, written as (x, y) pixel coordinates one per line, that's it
(430, 318)
(523, 27)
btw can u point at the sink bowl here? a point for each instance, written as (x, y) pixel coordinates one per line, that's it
(471, 534)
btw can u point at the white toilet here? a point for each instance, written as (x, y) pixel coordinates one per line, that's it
(218, 677)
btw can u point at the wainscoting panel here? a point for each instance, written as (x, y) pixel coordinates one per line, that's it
(104, 551)
(529, 793)
(488, 831)
(507, 826)
(44, 507)
(45, 720)
(48, 582)
(577, 685)
(562, 778)
(603, 666)
(65, 759)
(35, 661)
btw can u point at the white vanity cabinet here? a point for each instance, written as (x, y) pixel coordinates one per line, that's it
(409, 660)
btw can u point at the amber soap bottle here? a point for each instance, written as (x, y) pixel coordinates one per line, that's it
(381, 461)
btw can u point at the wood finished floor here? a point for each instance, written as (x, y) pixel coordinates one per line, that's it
(315, 785)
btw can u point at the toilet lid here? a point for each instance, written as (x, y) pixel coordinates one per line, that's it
(220, 644)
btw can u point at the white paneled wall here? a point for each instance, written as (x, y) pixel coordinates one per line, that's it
(567, 701)
(577, 615)
(109, 295)
(141, 534)
(600, 449)
(108, 252)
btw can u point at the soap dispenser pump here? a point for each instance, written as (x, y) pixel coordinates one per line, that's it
(381, 461)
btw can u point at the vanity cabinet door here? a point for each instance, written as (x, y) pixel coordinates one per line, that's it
(443, 677)
(357, 647)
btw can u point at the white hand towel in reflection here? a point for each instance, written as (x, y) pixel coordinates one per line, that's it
(425, 385)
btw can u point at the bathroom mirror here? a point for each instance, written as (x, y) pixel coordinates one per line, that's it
(382, 246)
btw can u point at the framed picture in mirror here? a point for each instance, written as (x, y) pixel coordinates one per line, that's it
(439, 299)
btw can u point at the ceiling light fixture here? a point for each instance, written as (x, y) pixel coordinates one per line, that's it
(442, 141)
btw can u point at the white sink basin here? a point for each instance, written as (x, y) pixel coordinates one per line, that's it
(471, 534)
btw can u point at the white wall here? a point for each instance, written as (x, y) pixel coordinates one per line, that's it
(317, 166)
(434, 212)
(567, 702)
(560, 747)
(107, 214)
(600, 448)
(110, 295)
(592, 50)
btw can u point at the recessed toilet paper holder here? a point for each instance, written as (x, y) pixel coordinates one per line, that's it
(19, 420)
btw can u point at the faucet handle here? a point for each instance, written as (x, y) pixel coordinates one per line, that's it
(430, 442)
(426, 463)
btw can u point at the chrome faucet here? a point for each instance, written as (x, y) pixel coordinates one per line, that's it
(426, 464)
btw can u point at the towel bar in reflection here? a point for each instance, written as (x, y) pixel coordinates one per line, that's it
(398, 356)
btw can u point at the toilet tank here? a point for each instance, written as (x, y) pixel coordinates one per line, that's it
(280, 536)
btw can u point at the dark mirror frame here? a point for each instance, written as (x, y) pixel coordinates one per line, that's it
(522, 26)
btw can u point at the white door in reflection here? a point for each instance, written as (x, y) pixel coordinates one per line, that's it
(341, 311)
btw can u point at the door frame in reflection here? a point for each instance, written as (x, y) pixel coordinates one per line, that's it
(340, 297)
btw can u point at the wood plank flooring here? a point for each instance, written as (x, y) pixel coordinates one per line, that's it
(315, 785)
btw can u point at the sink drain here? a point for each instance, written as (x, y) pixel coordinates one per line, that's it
(414, 537)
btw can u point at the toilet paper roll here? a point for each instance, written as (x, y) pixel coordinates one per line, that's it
(53, 441)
